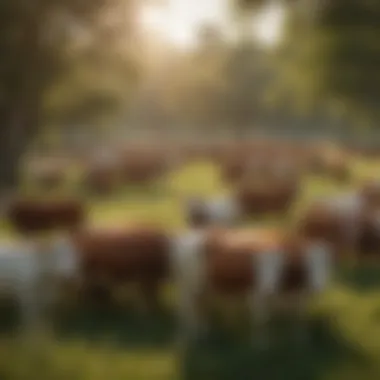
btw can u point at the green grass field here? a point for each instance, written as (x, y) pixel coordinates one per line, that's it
(123, 344)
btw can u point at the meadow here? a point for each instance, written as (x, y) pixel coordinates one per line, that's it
(122, 343)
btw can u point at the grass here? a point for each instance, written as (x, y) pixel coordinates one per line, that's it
(120, 343)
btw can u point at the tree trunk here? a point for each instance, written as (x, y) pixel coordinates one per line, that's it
(19, 124)
(21, 105)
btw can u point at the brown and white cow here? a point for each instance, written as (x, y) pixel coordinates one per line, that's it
(259, 262)
(263, 264)
(244, 202)
(349, 222)
(33, 273)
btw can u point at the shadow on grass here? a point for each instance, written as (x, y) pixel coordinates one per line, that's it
(364, 277)
(93, 324)
(120, 327)
(221, 358)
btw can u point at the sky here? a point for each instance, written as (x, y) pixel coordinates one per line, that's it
(177, 21)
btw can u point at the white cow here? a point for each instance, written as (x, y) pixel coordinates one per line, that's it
(220, 210)
(32, 272)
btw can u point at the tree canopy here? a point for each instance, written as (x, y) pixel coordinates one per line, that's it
(50, 51)
(330, 54)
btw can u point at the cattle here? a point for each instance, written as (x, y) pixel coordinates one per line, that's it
(33, 273)
(249, 200)
(134, 254)
(142, 167)
(220, 210)
(102, 179)
(271, 197)
(48, 175)
(240, 166)
(260, 263)
(260, 166)
(348, 221)
(102, 172)
(30, 216)
(38, 272)
(330, 163)
(370, 192)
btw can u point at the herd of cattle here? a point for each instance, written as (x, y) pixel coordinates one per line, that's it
(215, 253)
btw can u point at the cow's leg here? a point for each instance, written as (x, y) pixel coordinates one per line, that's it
(30, 308)
(319, 268)
(300, 303)
(190, 321)
(351, 236)
(268, 267)
(188, 271)
(150, 292)
(96, 290)
(190, 303)
(261, 313)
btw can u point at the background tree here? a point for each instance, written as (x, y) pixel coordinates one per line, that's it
(35, 39)
(329, 57)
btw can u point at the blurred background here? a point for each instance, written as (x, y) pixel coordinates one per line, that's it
(78, 76)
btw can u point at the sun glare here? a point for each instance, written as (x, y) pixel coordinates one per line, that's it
(174, 25)
(178, 21)
(268, 26)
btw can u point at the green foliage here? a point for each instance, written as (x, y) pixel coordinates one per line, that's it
(335, 55)
(60, 60)
(100, 75)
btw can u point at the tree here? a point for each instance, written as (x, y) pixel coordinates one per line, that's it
(330, 55)
(35, 37)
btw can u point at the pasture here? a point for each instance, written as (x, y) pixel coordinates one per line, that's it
(123, 343)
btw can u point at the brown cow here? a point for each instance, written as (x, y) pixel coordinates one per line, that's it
(349, 222)
(233, 169)
(261, 167)
(259, 262)
(331, 163)
(102, 179)
(103, 171)
(133, 254)
(48, 174)
(30, 216)
(143, 167)
(271, 197)
(244, 202)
